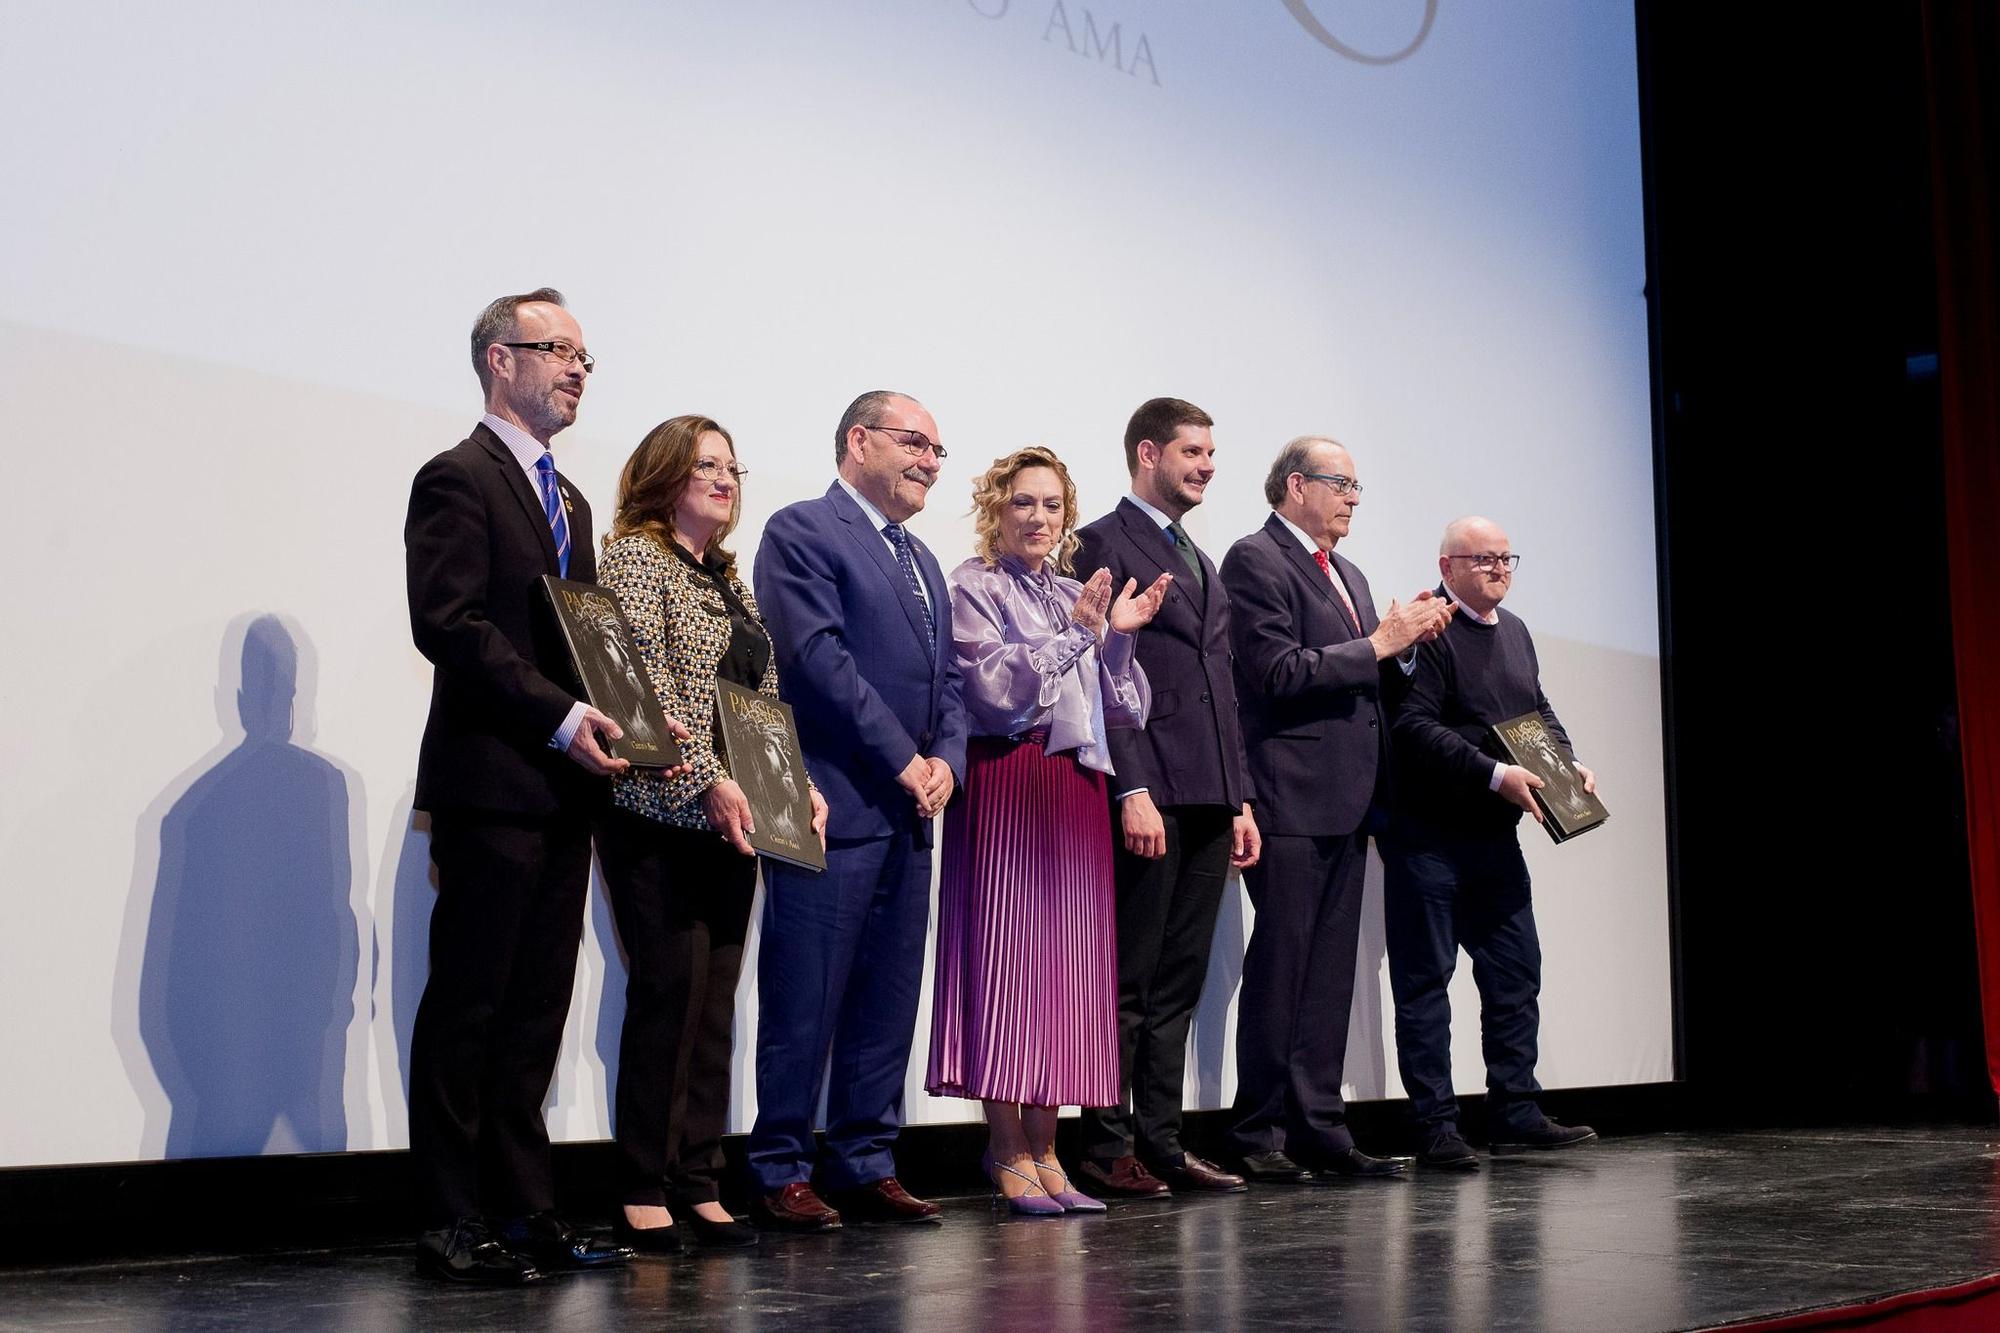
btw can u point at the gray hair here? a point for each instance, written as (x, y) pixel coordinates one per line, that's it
(1296, 456)
(864, 411)
(500, 321)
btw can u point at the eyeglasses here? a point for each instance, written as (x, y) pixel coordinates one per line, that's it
(1341, 485)
(1485, 563)
(918, 443)
(561, 351)
(706, 468)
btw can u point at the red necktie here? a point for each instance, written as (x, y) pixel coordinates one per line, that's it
(1326, 568)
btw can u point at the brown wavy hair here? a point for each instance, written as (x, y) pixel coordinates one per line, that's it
(995, 487)
(655, 478)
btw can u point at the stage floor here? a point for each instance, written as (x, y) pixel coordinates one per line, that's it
(1665, 1232)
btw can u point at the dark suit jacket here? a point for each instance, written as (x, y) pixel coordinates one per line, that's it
(1191, 750)
(1313, 694)
(476, 541)
(868, 685)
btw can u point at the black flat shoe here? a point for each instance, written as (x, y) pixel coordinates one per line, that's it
(1542, 1137)
(1355, 1164)
(1273, 1168)
(647, 1240)
(730, 1235)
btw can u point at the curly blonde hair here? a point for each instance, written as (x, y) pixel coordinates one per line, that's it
(657, 475)
(995, 487)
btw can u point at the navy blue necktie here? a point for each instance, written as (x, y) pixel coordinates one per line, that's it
(901, 541)
(552, 505)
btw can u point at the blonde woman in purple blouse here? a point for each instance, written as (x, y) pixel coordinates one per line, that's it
(1024, 1013)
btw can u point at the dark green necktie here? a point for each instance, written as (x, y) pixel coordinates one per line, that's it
(1188, 553)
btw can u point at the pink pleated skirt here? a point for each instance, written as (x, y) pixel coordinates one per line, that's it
(1025, 1004)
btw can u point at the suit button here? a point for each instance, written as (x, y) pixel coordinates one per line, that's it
(1371, 722)
(1204, 696)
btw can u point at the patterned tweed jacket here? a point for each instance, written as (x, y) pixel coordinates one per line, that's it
(682, 630)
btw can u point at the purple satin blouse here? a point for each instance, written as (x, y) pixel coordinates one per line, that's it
(1028, 667)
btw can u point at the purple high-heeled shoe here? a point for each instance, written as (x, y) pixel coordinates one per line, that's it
(1072, 1199)
(1027, 1205)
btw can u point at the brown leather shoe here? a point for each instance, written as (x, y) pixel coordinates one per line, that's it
(794, 1208)
(1122, 1178)
(1192, 1173)
(885, 1200)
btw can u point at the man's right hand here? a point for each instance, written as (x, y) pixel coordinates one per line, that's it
(917, 779)
(1517, 786)
(588, 752)
(1145, 831)
(1409, 622)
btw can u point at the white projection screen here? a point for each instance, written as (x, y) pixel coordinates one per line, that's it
(241, 246)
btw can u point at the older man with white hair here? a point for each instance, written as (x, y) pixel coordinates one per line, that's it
(1454, 874)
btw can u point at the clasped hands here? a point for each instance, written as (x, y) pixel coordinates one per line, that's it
(1407, 624)
(1130, 612)
(929, 781)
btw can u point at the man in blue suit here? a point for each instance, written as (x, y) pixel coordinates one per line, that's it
(860, 619)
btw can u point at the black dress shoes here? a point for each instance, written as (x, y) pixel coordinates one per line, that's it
(466, 1251)
(1273, 1168)
(1548, 1134)
(883, 1200)
(558, 1247)
(1446, 1151)
(1121, 1178)
(646, 1240)
(730, 1235)
(1192, 1173)
(1355, 1164)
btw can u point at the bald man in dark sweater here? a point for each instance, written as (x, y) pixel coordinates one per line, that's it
(1453, 870)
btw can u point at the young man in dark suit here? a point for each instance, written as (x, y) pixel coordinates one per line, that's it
(1181, 802)
(1316, 670)
(860, 620)
(511, 767)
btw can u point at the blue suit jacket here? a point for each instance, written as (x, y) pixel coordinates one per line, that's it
(869, 687)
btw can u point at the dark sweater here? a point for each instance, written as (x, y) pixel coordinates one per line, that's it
(1471, 677)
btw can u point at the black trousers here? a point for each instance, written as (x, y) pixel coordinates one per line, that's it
(503, 947)
(682, 901)
(1440, 891)
(1298, 989)
(1166, 920)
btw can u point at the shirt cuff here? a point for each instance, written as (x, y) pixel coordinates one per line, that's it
(1134, 792)
(570, 725)
(1407, 661)
(1499, 773)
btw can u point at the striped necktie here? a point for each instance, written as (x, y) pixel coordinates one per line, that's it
(552, 505)
(901, 541)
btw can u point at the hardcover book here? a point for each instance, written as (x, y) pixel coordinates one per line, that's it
(761, 743)
(1567, 809)
(605, 659)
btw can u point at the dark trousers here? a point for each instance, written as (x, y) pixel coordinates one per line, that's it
(1166, 919)
(840, 960)
(503, 946)
(682, 901)
(1441, 891)
(1298, 987)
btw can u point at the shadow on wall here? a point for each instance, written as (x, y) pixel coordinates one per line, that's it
(1210, 1032)
(407, 924)
(251, 946)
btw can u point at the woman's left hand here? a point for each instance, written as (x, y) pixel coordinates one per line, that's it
(1130, 613)
(819, 815)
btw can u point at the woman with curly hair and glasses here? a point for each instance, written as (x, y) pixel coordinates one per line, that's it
(676, 862)
(1024, 1012)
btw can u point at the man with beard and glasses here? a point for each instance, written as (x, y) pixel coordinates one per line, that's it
(860, 618)
(1180, 804)
(511, 768)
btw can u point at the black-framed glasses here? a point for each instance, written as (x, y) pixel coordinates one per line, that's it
(1341, 485)
(917, 442)
(561, 351)
(706, 468)
(1484, 563)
